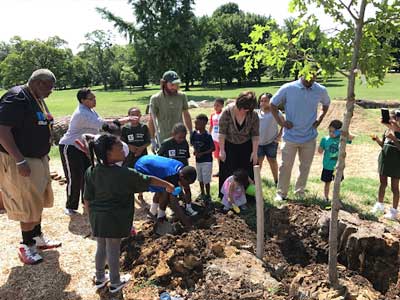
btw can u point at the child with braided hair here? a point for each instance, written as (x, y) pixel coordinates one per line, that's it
(109, 193)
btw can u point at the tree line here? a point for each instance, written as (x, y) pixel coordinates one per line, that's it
(168, 35)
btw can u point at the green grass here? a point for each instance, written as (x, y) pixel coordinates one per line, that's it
(115, 103)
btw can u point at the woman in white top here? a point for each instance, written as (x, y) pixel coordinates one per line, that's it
(84, 120)
(270, 135)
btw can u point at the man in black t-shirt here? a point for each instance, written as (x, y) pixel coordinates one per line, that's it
(25, 131)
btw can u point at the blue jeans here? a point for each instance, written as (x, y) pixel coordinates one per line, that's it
(268, 150)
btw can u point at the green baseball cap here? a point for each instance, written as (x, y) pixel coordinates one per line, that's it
(172, 77)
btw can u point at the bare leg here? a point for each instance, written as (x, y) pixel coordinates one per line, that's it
(202, 188)
(207, 189)
(382, 188)
(395, 190)
(326, 189)
(273, 164)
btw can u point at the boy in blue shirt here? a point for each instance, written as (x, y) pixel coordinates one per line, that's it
(329, 146)
(203, 145)
(170, 170)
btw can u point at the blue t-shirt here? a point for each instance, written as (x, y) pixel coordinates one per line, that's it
(301, 106)
(202, 142)
(161, 167)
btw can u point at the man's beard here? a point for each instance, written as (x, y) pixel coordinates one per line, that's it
(170, 92)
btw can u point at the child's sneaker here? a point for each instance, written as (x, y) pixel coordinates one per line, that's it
(101, 283)
(123, 282)
(190, 211)
(44, 243)
(391, 215)
(28, 254)
(378, 208)
(70, 212)
(244, 207)
(279, 198)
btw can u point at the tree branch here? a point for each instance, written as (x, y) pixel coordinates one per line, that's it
(343, 73)
(348, 9)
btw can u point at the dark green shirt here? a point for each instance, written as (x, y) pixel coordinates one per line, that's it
(110, 193)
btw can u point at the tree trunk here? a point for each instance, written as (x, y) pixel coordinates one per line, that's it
(333, 227)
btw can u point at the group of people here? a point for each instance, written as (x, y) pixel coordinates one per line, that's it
(105, 170)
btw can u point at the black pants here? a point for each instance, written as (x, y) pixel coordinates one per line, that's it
(75, 163)
(237, 157)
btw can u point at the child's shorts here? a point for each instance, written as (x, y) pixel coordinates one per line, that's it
(204, 172)
(327, 175)
(268, 150)
(216, 151)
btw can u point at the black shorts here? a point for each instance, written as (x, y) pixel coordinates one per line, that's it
(327, 175)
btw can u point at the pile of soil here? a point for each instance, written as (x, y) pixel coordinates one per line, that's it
(191, 264)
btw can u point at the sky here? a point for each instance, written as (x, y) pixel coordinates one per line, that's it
(72, 19)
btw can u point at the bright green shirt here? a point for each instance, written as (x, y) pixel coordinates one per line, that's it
(168, 111)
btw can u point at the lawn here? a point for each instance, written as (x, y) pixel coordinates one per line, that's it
(113, 103)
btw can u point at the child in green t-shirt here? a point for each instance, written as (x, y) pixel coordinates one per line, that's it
(329, 146)
(109, 192)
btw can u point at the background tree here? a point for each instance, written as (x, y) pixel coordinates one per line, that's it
(97, 50)
(26, 56)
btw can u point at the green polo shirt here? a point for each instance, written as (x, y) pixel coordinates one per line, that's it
(168, 110)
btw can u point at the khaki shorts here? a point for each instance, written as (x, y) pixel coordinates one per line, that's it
(25, 197)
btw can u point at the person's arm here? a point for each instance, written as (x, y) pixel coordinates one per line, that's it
(321, 116)
(254, 156)
(211, 124)
(390, 135)
(321, 146)
(223, 131)
(155, 181)
(8, 143)
(280, 119)
(187, 120)
(377, 140)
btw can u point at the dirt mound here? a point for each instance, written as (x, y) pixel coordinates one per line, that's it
(216, 259)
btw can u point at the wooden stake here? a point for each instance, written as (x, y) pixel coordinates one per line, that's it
(260, 212)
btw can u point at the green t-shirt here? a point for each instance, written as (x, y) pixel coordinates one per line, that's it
(331, 152)
(110, 193)
(168, 111)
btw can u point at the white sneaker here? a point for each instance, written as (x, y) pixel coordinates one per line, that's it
(70, 212)
(190, 211)
(378, 208)
(279, 198)
(44, 243)
(124, 281)
(391, 215)
(28, 255)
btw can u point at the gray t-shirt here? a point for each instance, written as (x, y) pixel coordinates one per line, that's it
(269, 129)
